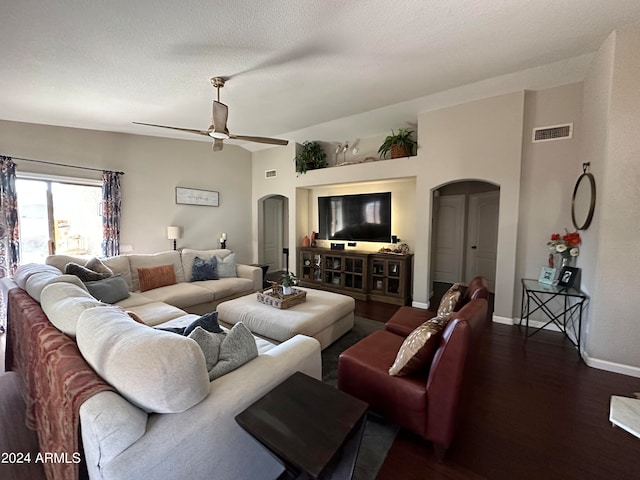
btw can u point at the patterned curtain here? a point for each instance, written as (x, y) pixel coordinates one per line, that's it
(111, 202)
(9, 232)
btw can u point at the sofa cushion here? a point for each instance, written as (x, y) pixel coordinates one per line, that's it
(155, 277)
(133, 300)
(120, 264)
(158, 371)
(418, 349)
(60, 261)
(171, 257)
(109, 290)
(63, 303)
(450, 300)
(188, 256)
(36, 282)
(155, 313)
(226, 287)
(28, 269)
(204, 269)
(83, 273)
(227, 266)
(407, 319)
(181, 295)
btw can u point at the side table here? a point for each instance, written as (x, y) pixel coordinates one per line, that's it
(313, 429)
(564, 316)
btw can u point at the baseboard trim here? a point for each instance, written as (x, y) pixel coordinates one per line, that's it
(611, 366)
(536, 324)
(424, 306)
(503, 320)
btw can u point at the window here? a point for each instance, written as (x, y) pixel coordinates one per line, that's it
(58, 217)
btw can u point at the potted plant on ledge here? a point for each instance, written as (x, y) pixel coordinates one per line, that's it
(400, 144)
(311, 156)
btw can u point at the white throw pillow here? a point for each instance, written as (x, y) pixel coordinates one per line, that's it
(227, 266)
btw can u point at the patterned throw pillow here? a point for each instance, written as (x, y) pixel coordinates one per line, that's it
(204, 269)
(98, 265)
(418, 349)
(449, 300)
(155, 277)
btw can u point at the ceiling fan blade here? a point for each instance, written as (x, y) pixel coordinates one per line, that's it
(188, 130)
(217, 144)
(271, 141)
(219, 114)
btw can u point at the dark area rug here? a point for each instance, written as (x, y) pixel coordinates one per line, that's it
(378, 433)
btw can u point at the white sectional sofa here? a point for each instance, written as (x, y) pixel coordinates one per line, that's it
(191, 296)
(164, 418)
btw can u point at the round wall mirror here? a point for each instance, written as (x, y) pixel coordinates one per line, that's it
(583, 201)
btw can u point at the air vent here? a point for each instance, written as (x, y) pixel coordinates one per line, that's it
(270, 173)
(554, 132)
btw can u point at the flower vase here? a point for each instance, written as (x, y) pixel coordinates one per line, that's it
(568, 261)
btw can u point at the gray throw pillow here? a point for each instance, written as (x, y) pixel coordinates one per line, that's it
(83, 273)
(209, 342)
(236, 349)
(227, 266)
(109, 290)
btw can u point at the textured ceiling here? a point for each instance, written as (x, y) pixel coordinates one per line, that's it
(301, 69)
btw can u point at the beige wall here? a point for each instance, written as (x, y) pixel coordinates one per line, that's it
(549, 171)
(612, 270)
(480, 140)
(153, 168)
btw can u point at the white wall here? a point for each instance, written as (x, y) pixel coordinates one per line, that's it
(612, 273)
(153, 168)
(549, 171)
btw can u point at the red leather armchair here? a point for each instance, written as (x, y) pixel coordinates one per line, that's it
(427, 402)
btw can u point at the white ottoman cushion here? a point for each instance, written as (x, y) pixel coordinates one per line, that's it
(320, 311)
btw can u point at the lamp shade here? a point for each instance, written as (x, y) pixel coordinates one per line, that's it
(174, 232)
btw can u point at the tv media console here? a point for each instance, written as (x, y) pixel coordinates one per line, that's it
(384, 277)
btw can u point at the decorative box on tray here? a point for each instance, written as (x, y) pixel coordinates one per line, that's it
(274, 297)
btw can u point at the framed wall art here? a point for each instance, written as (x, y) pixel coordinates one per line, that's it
(194, 196)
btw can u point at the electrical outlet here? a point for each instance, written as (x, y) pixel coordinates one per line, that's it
(127, 247)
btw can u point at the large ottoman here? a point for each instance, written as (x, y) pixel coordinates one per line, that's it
(325, 316)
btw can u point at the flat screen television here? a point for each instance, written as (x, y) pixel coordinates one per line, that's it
(365, 217)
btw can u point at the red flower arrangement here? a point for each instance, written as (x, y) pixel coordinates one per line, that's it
(566, 245)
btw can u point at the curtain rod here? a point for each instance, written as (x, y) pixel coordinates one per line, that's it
(61, 164)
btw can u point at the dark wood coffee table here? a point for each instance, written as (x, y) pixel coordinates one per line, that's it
(313, 429)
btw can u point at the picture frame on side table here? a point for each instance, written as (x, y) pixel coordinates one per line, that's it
(548, 275)
(568, 276)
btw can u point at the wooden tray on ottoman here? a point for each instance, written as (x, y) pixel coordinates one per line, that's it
(275, 298)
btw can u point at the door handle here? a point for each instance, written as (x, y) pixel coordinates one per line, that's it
(473, 247)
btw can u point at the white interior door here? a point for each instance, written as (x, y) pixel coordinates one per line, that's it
(449, 219)
(273, 236)
(482, 236)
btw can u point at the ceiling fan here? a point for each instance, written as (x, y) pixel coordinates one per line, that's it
(218, 127)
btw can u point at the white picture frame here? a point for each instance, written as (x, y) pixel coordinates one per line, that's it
(195, 196)
(548, 275)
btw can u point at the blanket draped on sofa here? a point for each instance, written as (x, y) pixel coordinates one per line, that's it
(56, 382)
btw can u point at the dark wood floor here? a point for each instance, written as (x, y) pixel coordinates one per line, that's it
(537, 412)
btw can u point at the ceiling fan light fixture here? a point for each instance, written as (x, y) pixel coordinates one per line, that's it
(220, 135)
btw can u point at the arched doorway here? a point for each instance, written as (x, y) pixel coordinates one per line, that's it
(465, 232)
(273, 233)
